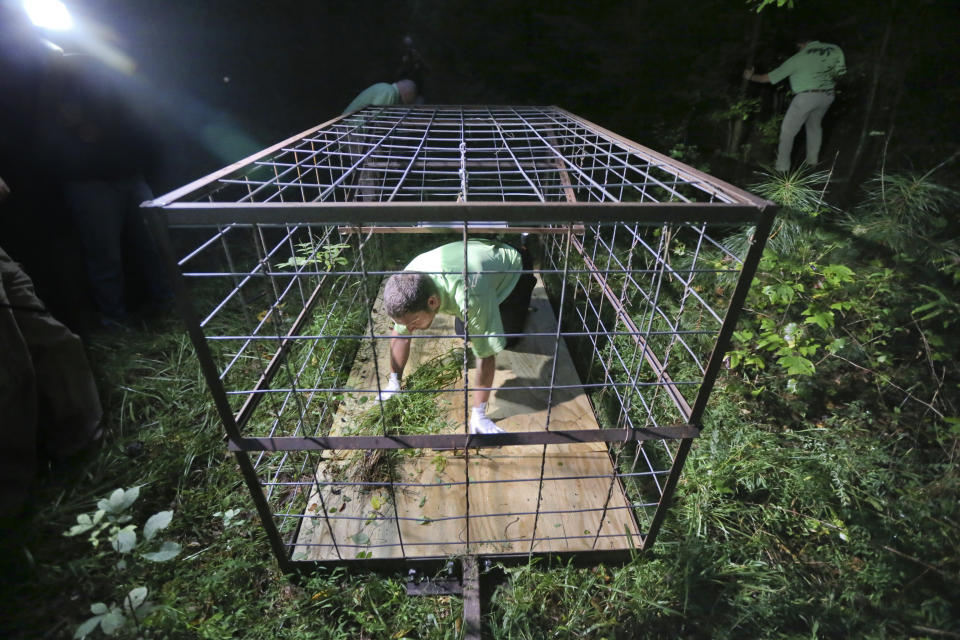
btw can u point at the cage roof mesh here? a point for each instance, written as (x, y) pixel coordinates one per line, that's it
(452, 155)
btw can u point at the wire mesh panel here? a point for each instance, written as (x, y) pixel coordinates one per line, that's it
(641, 264)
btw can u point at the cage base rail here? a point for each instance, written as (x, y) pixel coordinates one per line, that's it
(464, 441)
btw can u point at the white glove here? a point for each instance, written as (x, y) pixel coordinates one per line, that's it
(393, 385)
(480, 423)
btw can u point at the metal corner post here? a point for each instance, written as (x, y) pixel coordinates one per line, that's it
(160, 230)
(745, 281)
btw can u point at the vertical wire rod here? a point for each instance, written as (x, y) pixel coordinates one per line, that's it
(553, 372)
(376, 370)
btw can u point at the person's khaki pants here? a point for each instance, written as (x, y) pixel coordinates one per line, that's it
(806, 110)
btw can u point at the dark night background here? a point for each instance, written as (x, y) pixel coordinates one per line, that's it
(217, 80)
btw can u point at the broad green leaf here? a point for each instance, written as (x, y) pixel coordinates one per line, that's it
(837, 273)
(168, 551)
(113, 622)
(156, 522)
(119, 501)
(77, 529)
(823, 319)
(135, 598)
(130, 496)
(360, 538)
(98, 608)
(836, 345)
(115, 501)
(124, 541)
(797, 365)
(87, 627)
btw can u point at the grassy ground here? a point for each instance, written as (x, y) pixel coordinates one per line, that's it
(788, 524)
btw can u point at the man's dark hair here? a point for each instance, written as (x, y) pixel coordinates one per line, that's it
(407, 292)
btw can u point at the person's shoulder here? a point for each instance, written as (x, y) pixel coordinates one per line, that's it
(816, 47)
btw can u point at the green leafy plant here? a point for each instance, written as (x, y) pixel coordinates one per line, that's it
(738, 110)
(908, 213)
(327, 256)
(112, 522)
(112, 618)
(800, 189)
(796, 305)
(406, 413)
(229, 517)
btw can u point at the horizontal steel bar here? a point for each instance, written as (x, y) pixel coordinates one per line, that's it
(454, 543)
(473, 228)
(420, 485)
(462, 441)
(435, 564)
(532, 334)
(365, 213)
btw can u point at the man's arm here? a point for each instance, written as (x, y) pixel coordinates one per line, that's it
(485, 370)
(748, 74)
(399, 352)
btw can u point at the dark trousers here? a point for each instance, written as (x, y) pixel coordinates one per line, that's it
(48, 399)
(110, 227)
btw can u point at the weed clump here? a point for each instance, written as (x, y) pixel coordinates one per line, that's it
(405, 413)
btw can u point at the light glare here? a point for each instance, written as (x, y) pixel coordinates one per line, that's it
(48, 14)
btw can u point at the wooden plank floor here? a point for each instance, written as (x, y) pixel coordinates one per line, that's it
(504, 489)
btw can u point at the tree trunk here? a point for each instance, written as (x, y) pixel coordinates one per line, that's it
(878, 68)
(733, 143)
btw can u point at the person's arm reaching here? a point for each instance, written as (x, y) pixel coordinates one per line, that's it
(485, 370)
(479, 422)
(748, 74)
(399, 354)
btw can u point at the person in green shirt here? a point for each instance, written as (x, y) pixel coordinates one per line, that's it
(491, 302)
(813, 72)
(384, 94)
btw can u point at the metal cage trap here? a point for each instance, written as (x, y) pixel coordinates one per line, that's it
(642, 266)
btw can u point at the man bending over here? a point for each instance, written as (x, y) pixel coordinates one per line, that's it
(492, 301)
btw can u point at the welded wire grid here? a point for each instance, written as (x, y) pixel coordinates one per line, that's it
(282, 308)
(459, 154)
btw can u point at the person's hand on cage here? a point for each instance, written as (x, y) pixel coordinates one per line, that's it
(480, 423)
(391, 389)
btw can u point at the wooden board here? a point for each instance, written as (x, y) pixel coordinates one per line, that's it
(578, 498)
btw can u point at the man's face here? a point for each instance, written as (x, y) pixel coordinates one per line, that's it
(416, 320)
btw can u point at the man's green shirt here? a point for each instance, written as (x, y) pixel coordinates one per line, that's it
(378, 95)
(816, 67)
(493, 270)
